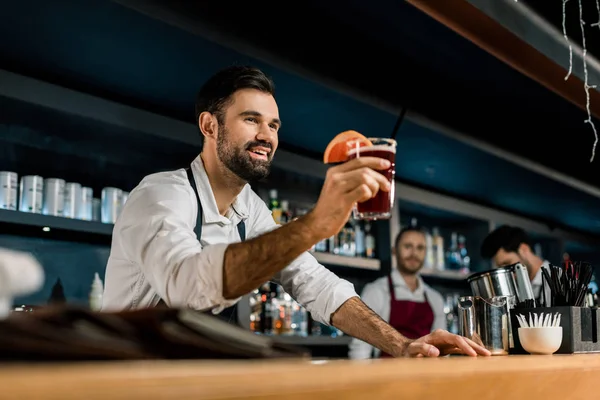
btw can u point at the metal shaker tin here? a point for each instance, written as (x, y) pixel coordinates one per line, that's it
(8, 190)
(72, 199)
(86, 205)
(111, 204)
(31, 194)
(54, 197)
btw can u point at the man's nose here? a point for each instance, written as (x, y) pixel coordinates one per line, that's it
(266, 133)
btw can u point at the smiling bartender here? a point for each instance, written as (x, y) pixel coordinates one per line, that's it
(201, 238)
(402, 298)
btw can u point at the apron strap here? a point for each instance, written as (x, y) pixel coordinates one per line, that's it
(391, 286)
(241, 226)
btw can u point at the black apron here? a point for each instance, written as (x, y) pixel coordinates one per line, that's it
(229, 313)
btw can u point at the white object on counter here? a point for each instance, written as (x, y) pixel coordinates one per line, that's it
(20, 274)
(96, 293)
(31, 194)
(54, 197)
(8, 190)
(543, 340)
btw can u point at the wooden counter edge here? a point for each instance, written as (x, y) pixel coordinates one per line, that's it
(567, 376)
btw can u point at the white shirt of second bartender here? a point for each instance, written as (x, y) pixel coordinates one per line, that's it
(414, 306)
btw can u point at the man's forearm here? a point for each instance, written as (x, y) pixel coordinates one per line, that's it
(356, 319)
(249, 264)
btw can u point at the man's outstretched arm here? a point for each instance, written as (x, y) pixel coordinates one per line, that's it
(356, 319)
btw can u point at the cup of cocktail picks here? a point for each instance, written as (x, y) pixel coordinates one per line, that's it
(541, 333)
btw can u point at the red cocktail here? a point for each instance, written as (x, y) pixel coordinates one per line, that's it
(380, 206)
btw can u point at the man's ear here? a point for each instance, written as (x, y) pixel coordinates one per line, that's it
(524, 250)
(208, 125)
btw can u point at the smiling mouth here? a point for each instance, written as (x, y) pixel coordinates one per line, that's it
(259, 154)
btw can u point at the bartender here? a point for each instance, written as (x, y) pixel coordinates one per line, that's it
(200, 237)
(509, 245)
(401, 298)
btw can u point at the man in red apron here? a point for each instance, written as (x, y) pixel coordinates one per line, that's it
(402, 298)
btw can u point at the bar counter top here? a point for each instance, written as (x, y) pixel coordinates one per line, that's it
(503, 377)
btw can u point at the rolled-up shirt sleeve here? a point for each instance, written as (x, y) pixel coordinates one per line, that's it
(156, 231)
(312, 285)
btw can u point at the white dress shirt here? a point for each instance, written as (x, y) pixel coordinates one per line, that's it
(377, 296)
(155, 253)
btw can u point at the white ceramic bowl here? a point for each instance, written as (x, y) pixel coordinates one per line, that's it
(544, 340)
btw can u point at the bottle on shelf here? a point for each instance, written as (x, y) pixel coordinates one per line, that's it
(347, 240)
(465, 258)
(359, 237)
(453, 259)
(96, 293)
(274, 205)
(429, 261)
(57, 295)
(438, 249)
(369, 242)
(286, 214)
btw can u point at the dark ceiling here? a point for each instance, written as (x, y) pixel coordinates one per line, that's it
(393, 52)
(386, 49)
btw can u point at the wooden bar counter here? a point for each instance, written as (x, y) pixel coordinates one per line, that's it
(508, 377)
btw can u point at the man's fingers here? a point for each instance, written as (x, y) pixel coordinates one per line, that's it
(348, 181)
(361, 193)
(482, 351)
(369, 162)
(416, 349)
(461, 343)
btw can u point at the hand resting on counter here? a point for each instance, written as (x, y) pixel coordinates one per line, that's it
(441, 342)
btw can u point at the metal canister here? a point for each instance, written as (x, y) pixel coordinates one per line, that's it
(111, 204)
(124, 197)
(8, 190)
(86, 205)
(31, 194)
(72, 199)
(54, 197)
(96, 209)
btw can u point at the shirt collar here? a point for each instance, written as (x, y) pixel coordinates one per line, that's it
(207, 197)
(398, 280)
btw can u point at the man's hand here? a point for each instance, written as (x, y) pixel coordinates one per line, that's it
(352, 182)
(441, 342)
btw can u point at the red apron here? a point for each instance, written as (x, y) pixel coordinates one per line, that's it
(410, 318)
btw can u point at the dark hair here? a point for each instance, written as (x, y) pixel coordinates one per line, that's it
(505, 237)
(216, 93)
(405, 230)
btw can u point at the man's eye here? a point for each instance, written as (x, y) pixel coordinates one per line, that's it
(251, 119)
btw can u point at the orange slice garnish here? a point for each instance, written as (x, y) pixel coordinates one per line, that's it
(337, 149)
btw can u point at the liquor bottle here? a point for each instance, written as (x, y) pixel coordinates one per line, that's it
(274, 206)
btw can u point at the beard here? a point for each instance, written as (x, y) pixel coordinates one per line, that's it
(239, 161)
(409, 266)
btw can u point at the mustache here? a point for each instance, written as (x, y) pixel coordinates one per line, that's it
(411, 259)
